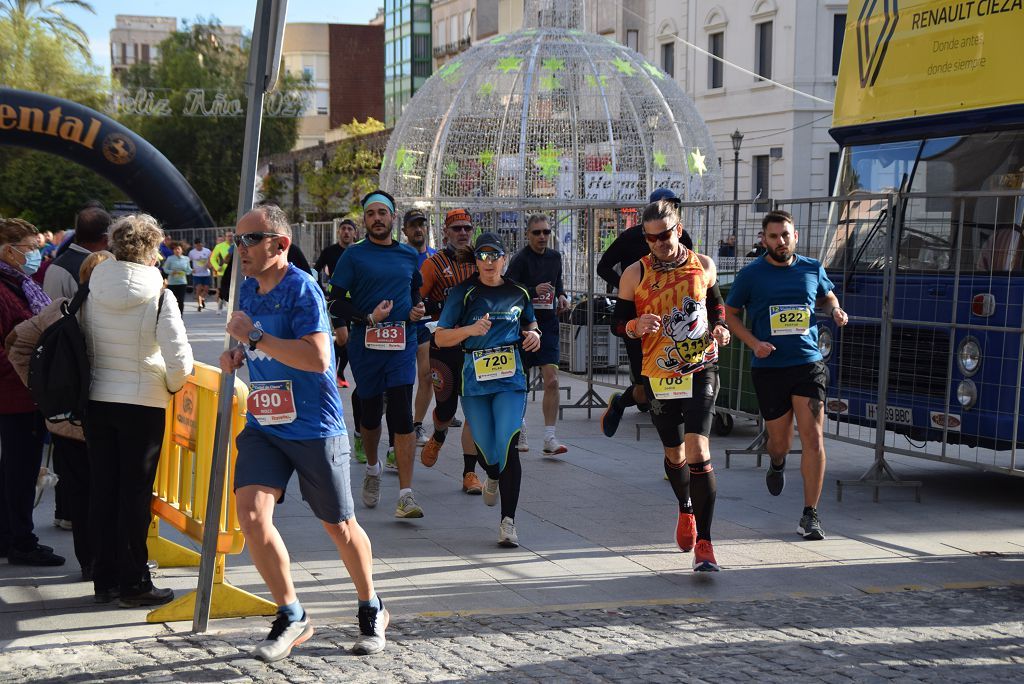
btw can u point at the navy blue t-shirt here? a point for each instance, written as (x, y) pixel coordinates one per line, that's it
(531, 269)
(372, 273)
(780, 302)
(293, 309)
(509, 309)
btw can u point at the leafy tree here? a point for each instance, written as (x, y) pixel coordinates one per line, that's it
(273, 188)
(207, 150)
(336, 186)
(26, 17)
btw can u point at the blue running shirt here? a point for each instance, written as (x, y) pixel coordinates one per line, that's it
(764, 290)
(372, 273)
(293, 309)
(510, 310)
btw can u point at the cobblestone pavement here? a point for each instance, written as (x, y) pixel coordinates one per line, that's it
(941, 636)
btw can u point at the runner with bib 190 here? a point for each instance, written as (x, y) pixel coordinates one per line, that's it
(670, 301)
(780, 292)
(488, 315)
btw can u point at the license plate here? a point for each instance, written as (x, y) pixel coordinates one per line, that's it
(896, 415)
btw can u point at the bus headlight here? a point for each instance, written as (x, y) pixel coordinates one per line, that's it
(968, 356)
(825, 341)
(967, 393)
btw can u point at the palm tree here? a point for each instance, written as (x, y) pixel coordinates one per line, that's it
(26, 15)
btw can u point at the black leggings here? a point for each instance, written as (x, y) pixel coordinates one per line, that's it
(179, 293)
(446, 373)
(399, 408)
(509, 479)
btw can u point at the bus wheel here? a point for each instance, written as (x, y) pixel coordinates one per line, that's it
(722, 424)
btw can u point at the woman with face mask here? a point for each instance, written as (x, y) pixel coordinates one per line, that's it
(21, 425)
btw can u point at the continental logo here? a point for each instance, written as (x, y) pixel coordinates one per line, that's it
(118, 149)
(52, 123)
(875, 26)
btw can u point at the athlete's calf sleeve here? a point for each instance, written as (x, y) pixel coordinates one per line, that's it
(509, 483)
(399, 409)
(704, 490)
(679, 477)
(371, 411)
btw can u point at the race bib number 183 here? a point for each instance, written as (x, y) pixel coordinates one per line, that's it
(789, 319)
(386, 336)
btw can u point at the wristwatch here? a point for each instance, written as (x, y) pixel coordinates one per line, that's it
(255, 335)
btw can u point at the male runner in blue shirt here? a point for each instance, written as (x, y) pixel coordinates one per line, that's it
(294, 423)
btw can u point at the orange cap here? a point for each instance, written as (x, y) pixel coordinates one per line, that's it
(457, 216)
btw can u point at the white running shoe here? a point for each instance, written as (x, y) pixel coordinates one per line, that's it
(553, 448)
(372, 623)
(371, 490)
(421, 436)
(284, 635)
(507, 536)
(490, 491)
(523, 444)
(407, 507)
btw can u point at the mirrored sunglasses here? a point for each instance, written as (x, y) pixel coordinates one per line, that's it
(253, 239)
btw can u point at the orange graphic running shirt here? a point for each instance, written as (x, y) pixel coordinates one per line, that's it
(684, 344)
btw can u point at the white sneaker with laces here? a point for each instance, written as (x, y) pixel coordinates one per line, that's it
(407, 507)
(421, 436)
(552, 447)
(523, 444)
(372, 623)
(284, 635)
(507, 536)
(371, 490)
(490, 491)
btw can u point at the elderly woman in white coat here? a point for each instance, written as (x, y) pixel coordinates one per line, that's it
(139, 354)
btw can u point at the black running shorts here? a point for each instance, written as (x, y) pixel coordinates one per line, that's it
(673, 418)
(776, 387)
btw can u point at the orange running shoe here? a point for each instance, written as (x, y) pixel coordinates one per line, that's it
(704, 557)
(430, 452)
(686, 532)
(471, 484)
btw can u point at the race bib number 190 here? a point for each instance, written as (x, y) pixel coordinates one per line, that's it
(271, 402)
(492, 364)
(677, 387)
(789, 319)
(386, 336)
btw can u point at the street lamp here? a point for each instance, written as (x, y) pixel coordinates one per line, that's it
(737, 140)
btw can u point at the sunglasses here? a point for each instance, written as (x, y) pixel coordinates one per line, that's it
(253, 239)
(544, 231)
(488, 257)
(662, 236)
(461, 229)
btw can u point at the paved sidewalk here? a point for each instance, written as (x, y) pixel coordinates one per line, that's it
(899, 590)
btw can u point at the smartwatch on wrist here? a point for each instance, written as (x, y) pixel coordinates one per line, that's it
(255, 335)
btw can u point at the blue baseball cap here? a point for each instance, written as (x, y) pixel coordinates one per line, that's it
(662, 194)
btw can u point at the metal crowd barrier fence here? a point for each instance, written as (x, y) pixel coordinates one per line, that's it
(180, 493)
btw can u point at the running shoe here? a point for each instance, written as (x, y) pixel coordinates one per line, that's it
(342, 383)
(612, 415)
(148, 597)
(704, 557)
(407, 507)
(507, 536)
(456, 423)
(775, 478)
(62, 524)
(389, 461)
(552, 447)
(284, 635)
(471, 484)
(421, 435)
(686, 531)
(371, 490)
(810, 526)
(430, 452)
(357, 448)
(490, 492)
(643, 408)
(372, 623)
(523, 444)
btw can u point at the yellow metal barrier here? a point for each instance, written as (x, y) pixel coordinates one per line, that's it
(180, 492)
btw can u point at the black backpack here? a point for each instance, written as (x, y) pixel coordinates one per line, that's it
(58, 372)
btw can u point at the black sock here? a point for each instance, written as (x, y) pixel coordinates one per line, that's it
(416, 424)
(468, 464)
(508, 484)
(626, 399)
(679, 478)
(705, 488)
(440, 435)
(781, 466)
(809, 509)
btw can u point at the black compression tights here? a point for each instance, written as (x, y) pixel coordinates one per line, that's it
(509, 479)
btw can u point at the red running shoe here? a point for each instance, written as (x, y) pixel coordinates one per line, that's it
(686, 532)
(704, 557)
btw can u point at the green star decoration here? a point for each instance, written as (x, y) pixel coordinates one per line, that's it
(593, 81)
(553, 64)
(449, 70)
(660, 160)
(548, 162)
(608, 168)
(624, 67)
(550, 83)
(509, 64)
(654, 71)
(450, 169)
(487, 157)
(695, 161)
(486, 88)
(404, 160)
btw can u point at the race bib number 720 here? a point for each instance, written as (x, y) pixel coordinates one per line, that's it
(789, 319)
(492, 364)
